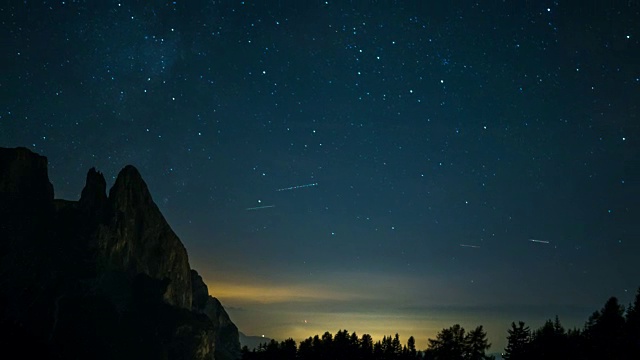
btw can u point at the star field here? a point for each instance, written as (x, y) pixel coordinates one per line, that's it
(380, 166)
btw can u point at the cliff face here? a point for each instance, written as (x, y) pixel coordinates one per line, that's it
(138, 240)
(24, 177)
(227, 337)
(26, 212)
(25, 192)
(103, 277)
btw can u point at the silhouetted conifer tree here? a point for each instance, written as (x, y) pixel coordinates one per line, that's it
(396, 346)
(632, 329)
(518, 342)
(353, 340)
(604, 332)
(288, 349)
(575, 344)
(411, 352)
(317, 347)
(476, 344)
(305, 351)
(366, 347)
(549, 341)
(342, 345)
(448, 344)
(454, 344)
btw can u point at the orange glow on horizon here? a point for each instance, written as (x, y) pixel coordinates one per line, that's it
(265, 294)
(364, 303)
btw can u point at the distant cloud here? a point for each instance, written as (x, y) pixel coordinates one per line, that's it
(324, 289)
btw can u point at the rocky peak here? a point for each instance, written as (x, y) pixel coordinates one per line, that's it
(80, 279)
(94, 195)
(130, 191)
(24, 177)
(138, 239)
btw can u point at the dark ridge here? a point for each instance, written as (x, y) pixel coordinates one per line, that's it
(99, 278)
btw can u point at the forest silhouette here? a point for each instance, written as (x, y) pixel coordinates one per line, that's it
(612, 332)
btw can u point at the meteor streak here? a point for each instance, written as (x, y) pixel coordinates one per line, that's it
(260, 207)
(297, 187)
(470, 246)
(539, 241)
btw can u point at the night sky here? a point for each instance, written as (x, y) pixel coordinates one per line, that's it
(375, 166)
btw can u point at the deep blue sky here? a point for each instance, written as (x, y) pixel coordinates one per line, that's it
(418, 128)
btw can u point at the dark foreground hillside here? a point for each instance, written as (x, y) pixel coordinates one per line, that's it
(104, 277)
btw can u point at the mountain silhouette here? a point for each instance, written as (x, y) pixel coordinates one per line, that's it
(104, 277)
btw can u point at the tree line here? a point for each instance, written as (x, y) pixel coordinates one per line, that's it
(612, 332)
